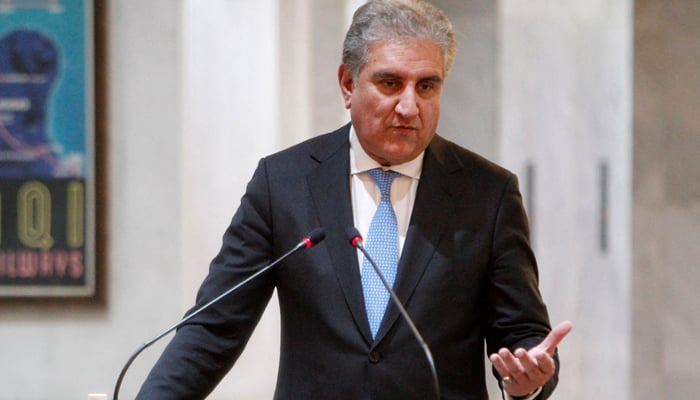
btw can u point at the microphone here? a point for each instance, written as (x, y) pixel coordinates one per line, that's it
(313, 238)
(357, 242)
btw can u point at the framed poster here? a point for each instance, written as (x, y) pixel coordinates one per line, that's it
(47, 149)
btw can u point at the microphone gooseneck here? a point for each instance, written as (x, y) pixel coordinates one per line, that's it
(356, 241)
(313, 238)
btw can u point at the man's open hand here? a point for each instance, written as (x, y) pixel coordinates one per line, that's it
(524, 371)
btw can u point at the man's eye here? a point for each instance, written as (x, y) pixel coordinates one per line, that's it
(426, 87)
(390, 84)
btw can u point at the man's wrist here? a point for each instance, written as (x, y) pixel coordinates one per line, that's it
(528, 396)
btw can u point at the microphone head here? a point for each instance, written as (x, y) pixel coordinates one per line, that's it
(315, 237)
(354, 236)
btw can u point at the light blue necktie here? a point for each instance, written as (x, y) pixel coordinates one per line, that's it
(382, 244)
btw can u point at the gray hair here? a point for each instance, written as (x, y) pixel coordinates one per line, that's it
(395, 20)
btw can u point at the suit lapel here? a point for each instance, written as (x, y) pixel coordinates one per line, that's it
(330, 189)
(431, 211)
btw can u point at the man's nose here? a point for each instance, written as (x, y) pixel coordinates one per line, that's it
(407, 106)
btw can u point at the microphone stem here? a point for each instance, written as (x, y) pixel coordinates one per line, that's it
(407, 318)
(148, 343)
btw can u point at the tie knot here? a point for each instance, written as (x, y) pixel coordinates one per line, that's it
(383, 179)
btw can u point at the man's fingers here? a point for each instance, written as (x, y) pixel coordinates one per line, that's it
(528, 362)
(499, 364)
(545, 363)
(555, 336)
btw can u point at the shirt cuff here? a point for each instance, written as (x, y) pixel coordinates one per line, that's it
(528, 397)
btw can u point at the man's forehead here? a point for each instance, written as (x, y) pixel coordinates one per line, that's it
(401, 56)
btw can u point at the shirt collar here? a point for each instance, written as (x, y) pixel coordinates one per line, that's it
(360, 161)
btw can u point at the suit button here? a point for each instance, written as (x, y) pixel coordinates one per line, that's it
(374, 357)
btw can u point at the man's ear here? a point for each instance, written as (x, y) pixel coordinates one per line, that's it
(346, 85)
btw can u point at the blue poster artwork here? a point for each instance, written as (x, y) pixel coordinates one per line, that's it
(46, 140)
(43, 83)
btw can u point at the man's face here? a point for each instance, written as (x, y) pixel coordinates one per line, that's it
(395, 102)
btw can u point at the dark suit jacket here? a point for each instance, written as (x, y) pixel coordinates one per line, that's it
(466, 274)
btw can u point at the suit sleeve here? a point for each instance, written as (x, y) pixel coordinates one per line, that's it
(204, 350)
(517, 314)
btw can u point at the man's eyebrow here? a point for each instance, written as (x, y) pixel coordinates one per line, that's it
(432, 78)
(385, 75)
(391, 75)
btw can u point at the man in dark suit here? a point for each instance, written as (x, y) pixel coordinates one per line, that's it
(465, 270)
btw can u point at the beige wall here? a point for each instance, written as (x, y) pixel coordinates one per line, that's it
(666, 200)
